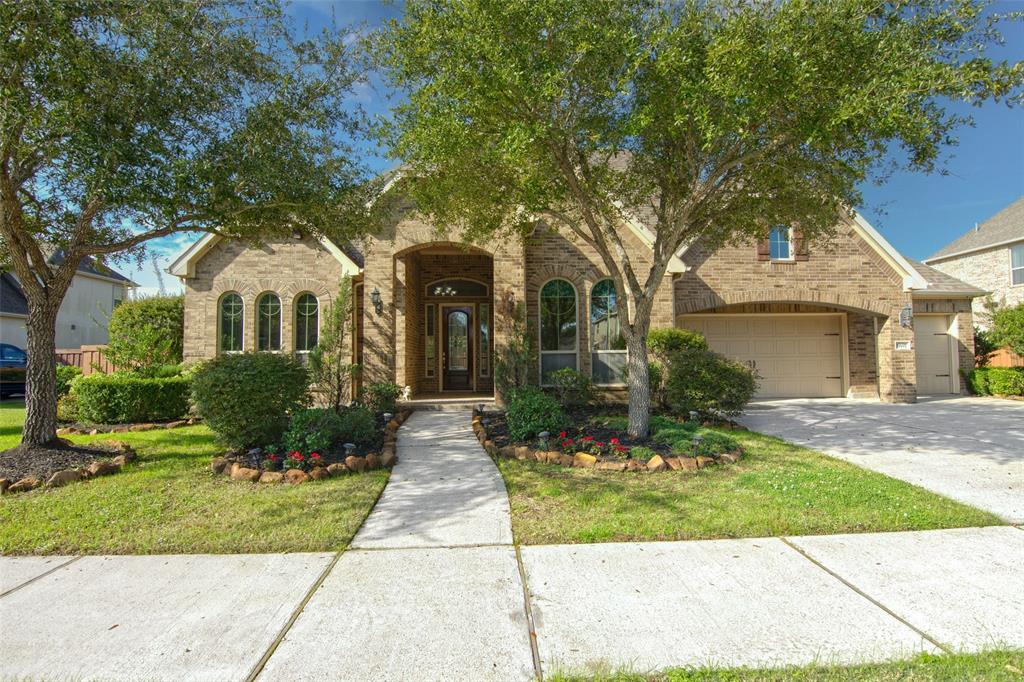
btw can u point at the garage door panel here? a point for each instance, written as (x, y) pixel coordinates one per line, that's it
(794, 355)
(933, 345)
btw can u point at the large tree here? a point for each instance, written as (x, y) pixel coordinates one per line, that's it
(710, 119)
(124, 121)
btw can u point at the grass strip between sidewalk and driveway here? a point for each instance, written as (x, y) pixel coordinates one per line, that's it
(776, 489)
(169, 502)
(991, 665)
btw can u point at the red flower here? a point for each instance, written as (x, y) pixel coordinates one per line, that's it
(562, 434)
(621, 448)
(274, 458)
(567, 442)
(599, 444)
(298, 456)
(614, 441)
(315, 455)
(587, 438)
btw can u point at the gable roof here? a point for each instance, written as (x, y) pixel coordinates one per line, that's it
(184, 264)
(941, 284)
(12, 300)
(1004, 227)
(90, 266)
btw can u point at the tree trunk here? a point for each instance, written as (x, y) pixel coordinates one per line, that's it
(639, 382)
(41, 376)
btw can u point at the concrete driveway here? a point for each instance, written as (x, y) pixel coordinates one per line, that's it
(969, 449)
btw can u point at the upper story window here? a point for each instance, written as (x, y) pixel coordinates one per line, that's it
(1017, 264)
(268, 322)
(231, 322)
(780, 243)
(558, 327)
(307, 322)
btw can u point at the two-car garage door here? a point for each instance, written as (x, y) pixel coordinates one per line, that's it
(797, 356)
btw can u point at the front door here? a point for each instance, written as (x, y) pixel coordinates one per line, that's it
(457, 354)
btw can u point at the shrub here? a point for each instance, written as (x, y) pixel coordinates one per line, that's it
(996, 381)
(66, 374)
(67, 408)
(357, 426)
(146, 333)
(246, 398)
(313, 430)
(122, 398)
(702, 380)
(1008, 328)
(641, 453)
(667, 340)
(514, 359)
(530, 410)
(984, 346)
(571, 387)
(380, 397)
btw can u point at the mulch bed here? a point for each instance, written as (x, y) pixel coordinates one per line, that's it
(42, 461)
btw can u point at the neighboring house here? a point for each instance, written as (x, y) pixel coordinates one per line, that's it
(991, 257)
(847, 317)
(84, 314)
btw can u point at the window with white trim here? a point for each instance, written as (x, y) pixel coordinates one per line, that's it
(607, 346)
(558, 328)
(780, 243)
(1017, 264)
(231, 323)
(268, 322)
(307, 322)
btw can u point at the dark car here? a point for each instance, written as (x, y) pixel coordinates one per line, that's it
(13, 361)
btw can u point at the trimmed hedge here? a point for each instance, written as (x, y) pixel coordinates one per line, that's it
(123, 399)
(247, 398)
(996, 381)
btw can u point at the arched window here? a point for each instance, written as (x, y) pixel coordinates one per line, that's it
(608, 348)
(231, 322)
(307, 322)
(268, 322)
(558, 328)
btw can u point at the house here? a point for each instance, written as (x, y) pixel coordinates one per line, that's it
(989, 256)
(84, 314)
(849, 316)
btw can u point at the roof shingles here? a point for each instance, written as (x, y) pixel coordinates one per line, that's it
(1005, 226)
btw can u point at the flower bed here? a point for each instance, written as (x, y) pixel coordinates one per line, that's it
(24, 469)
(295, 467)
(599, 443)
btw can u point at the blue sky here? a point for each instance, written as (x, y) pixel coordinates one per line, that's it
(918, 213)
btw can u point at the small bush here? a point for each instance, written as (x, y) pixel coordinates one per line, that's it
(314, 430)
(246, 398)
(380, 397)
(66, 374)
(530, 411)
(571, 387)
(707, 382)
(357, 426)
(641, 453)
(996, 381)
(1008, 328)
(984, 346)
(123, 399)
(67, 408)
(665, 341)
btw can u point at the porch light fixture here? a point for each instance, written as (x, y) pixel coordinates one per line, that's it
(444, 291)
(377, 301)
(906, 317)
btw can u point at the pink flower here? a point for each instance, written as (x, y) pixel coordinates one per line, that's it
(614, 441)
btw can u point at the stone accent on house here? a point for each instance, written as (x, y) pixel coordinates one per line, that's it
(989, 270)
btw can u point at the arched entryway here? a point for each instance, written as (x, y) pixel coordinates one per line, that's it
(447, 297)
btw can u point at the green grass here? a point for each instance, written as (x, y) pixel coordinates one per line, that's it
(992, 665)
(776, 489)
(169, 501)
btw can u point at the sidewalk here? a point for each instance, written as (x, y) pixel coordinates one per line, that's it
(432, 589)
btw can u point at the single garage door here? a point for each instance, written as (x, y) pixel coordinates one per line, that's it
(797, 356)
(934, 354)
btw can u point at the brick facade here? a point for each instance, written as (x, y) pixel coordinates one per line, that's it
(989, 270)
(842, 275)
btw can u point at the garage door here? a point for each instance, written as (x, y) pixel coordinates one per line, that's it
(796, 356)
(932, 341)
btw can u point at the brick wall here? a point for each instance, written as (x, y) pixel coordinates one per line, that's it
(988, 270)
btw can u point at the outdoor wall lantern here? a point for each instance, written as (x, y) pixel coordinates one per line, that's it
(377, 301)
(906, 317)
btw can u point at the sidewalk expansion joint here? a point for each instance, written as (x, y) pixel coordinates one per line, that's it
(942, 647)
(530, 625)
(40, 576)
(258, 668)
(477, 545)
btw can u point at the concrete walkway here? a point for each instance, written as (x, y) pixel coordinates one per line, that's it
(432, 589)
(968, 449)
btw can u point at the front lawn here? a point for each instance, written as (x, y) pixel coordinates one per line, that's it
(169, 501)
(991, 665)
(776, 489)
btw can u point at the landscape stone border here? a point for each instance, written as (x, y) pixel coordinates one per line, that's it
(353, 464)
(124, 428)
(585, 460)
(95, 469)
